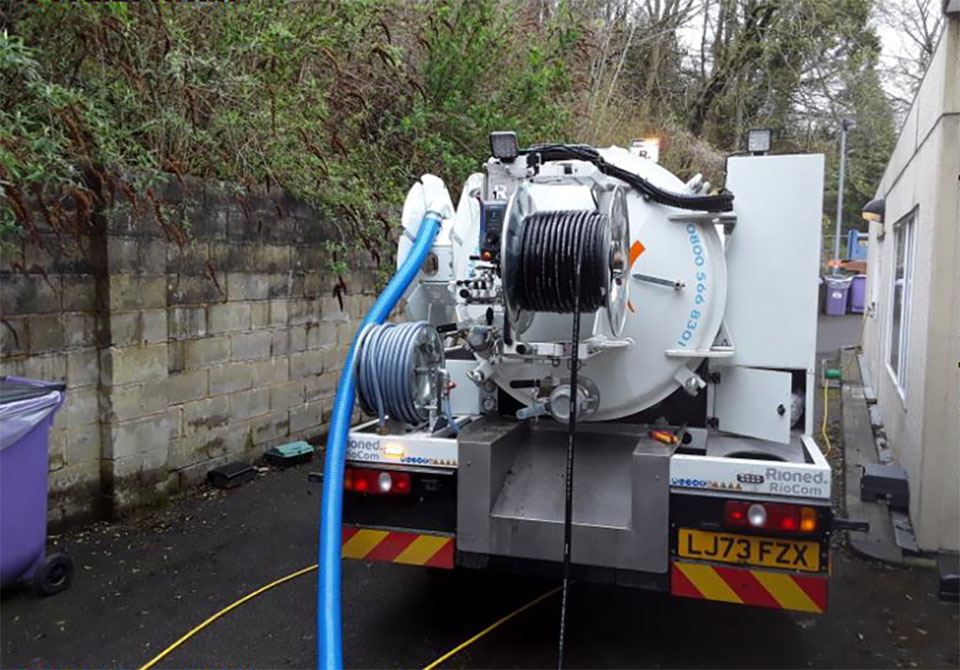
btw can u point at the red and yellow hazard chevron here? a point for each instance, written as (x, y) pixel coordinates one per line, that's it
(764, 588)
(369, 544)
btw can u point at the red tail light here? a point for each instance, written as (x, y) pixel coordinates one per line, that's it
(770, 516)
(376, 482)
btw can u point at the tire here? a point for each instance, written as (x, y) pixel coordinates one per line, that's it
(55, 574)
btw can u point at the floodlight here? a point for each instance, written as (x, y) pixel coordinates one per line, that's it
(759, 140)
(503, 145)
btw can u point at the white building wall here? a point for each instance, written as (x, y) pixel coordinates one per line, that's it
(939, 517)
(922, 423)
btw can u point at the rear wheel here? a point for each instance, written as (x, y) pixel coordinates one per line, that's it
(55, 574)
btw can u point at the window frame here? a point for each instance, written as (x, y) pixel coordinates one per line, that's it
(905, 225)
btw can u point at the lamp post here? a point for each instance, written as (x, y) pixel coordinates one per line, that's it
(845, 125)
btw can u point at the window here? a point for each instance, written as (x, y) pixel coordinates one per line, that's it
(902, 280)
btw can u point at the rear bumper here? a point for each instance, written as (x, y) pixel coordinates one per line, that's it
(430, 550)
(423, 528)
(738, 583)
(773, 589)
(749, 586)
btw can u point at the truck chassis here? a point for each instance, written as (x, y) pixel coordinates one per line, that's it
(646, 514)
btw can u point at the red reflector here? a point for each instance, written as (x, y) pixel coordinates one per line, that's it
(401, 482)
(788, 523)
(376, 482)
(735, 513)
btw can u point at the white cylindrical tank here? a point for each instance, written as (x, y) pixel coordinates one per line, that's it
(666, 329)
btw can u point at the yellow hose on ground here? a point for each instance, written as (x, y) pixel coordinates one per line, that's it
(843, 371)
(823, 426)
(456, 650)
(303, 571)
(253, 594)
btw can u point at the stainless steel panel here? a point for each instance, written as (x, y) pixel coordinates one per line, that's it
(486, 451)
(511, 494)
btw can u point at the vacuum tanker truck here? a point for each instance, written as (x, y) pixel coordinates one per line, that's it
(605, 367)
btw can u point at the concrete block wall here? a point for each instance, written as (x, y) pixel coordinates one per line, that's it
(186, 340)
(49, 329)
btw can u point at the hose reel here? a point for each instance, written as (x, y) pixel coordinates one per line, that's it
(549, 245)
(541, 249)
(400, 372)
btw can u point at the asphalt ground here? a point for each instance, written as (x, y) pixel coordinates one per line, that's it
(143, 582)
(834, 332)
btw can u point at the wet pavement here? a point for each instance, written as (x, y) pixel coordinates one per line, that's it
(142, 583)
(834, 332)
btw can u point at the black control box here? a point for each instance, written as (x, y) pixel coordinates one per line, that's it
(492, 215)
(885, 484)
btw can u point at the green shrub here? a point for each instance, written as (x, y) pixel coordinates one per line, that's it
(343, 104)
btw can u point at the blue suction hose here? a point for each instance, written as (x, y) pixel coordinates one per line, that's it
(329, 628)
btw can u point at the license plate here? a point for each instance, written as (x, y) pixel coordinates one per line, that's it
(748, 550)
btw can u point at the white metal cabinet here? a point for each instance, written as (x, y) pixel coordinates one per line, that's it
(752, 402)
(773, 260)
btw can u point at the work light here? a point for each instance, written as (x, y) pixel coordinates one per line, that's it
(759, 140)
(503, 145)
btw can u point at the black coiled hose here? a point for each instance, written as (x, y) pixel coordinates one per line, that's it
(720, 202)
(550, 244)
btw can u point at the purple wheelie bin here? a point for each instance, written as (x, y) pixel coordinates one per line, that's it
(858, 294)
(27, 408)
(837, 288)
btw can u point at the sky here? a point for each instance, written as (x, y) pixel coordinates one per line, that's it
(896, 46)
